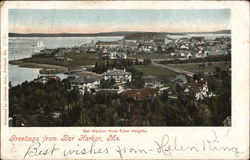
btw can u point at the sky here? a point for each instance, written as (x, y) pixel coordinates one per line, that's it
(95, 21)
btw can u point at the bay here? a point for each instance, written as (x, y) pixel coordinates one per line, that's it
(21, 47)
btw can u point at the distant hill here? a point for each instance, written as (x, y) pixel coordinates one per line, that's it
(127, 34)
(149, 35)
(215, 32)
(70, 34)
(144, 35)
(159, 35)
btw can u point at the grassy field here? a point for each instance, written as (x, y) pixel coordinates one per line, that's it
(161, 73)
(209, 67)
(151, 56)
(77, 60)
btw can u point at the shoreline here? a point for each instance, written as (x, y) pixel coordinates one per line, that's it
(21, 63)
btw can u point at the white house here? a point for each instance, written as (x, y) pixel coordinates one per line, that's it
(106, 44)
(189, 55)
(168, 40)
(184, 47)
(172, 54)
(120, 76)
(199, 90)
(183, 55)
(89, 84)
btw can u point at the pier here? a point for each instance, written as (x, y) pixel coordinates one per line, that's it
(53, 70)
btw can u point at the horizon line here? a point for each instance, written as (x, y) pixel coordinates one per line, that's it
(120, 31)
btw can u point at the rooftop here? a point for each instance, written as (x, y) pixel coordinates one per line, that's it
(106, 43)
(138, 94)
(116, 72)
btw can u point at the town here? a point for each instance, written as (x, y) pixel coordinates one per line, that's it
(143, 79)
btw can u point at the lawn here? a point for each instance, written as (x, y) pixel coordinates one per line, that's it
(209, 67)
(77, 60)
(161, 73)
(151, 56)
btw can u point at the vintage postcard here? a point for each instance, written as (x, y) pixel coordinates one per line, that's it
(125, 80)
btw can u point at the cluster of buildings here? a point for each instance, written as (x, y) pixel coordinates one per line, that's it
(152, 85)
(182, 48)
(199, 47)
(92, 84)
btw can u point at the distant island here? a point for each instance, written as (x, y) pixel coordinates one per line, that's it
(127, 34)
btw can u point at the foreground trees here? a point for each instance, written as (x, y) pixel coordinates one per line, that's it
(54, 104)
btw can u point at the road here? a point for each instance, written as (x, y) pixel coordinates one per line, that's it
(178, 70)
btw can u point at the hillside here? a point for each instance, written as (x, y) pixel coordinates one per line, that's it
(127, 34)
(69, 34)
(144, 35)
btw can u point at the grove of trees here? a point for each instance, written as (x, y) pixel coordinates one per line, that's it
(37, 104)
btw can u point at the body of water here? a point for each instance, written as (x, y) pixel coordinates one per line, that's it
(21, 47)
(206, 36)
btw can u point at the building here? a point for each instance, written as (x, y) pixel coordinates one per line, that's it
(106, 44)
(45, 79)
(89, 84)
(216, 53)
(152, 82)
(197, 39)
(198, 90)
(159, 41)
(139, 94)
(180, 79)
(91, 50)
(120, 76)
(184, 47)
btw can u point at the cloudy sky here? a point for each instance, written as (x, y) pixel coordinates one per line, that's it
(94, 21)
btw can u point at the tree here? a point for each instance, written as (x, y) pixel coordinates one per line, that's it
(217, 69)
(136, 62)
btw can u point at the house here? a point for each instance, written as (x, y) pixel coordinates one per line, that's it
(198, 90)
(122, 55)
(91, 50)
(82, 83)
(130, 41)
(172, 54)
(45, 79)
(168, 40)
(106, 44)
(159, 41)
(120, 76)
(184, 47)
(183, 40)
(162, 90)
(146, 47)
(112, 55)
(189, 55)
(139, 94)
(182, 54)
(60, 58)
(222, 40)
(200, 54)
(216, 53)
(152, 82)
(180, 79)
(197, 39)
